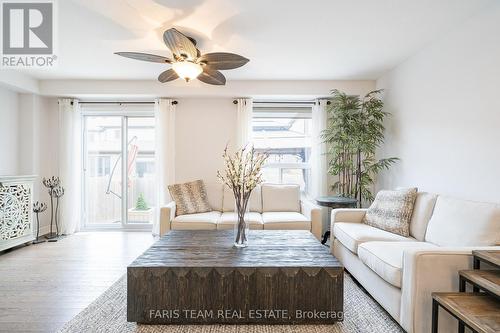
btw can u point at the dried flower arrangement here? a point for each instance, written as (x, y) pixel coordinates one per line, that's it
(242, 173)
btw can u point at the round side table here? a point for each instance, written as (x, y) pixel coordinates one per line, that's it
(333, 202)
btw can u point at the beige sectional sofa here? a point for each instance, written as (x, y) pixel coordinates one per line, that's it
(271, 207)
(401, 272)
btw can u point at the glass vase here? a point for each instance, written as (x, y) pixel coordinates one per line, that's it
(241, 231)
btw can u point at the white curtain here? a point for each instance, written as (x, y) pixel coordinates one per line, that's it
(244, 122)
(70, 165)
(165, 153)
(319, 166)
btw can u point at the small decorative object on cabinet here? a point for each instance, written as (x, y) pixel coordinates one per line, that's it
(16, 211)
(51, 183)
(242, 174)
(38, 207)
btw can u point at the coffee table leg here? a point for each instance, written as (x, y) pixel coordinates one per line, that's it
(435, 313)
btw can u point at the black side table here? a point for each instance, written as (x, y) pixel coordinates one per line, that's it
(333, 202)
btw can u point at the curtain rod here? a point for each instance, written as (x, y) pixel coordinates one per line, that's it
(283, 102)
(280, 102)
(120, 103)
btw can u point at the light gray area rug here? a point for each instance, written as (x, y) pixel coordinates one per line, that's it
(108, 314)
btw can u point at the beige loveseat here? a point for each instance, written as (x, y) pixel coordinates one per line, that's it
(271, 207)
(401, 272)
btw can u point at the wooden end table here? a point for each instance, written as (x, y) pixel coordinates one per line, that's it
(479, 311)
(333, 202)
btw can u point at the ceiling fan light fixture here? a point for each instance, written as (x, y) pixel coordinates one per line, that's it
(188, 62)
(187, 70)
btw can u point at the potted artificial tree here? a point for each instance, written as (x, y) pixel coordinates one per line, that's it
(355, 129)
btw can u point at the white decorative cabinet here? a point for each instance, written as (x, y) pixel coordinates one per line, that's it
(16, 210)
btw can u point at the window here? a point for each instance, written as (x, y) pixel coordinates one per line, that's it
(99, 165)
(144, 167)
(113, 143)
(283, 130)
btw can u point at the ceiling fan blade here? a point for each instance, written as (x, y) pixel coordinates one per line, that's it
(223, 60)
(212, 76)
(145, 57)
(179, 44)
(168, 75)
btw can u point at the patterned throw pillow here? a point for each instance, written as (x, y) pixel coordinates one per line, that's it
(391, 211)
(190, 198)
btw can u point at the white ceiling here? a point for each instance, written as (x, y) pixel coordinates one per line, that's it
(284, 39)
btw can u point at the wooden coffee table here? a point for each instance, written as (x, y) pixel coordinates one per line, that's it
(199, 277)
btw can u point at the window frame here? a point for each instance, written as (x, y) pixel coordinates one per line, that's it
(124, 111)
(286, 110)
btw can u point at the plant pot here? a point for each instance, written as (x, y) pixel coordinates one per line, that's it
(241, 231)
(140, 216)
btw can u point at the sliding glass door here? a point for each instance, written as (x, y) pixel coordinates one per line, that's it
(119, 171)
(102, 170)
(141, 170)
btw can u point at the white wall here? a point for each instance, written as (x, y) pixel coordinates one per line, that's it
(18, 81)
(203, 128)
(148, 89)
(42, 147)
(446, 113)
(8, 132)
(28, 139)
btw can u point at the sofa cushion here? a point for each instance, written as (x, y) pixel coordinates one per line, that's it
(228, 219)
(214, 195)
(391, 211)
(190, 198)
(280, 198)
(285, 221)
(200, 221)
(351, 235)
(422, 212)
(254, 203)
(386, 258)
(456, 222)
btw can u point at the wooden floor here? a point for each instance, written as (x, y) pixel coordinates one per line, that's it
(43, 286)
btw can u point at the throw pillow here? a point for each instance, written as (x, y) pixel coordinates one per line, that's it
(190, 198)
(391, 211)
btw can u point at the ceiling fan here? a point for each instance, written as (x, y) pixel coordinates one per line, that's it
(188, 62)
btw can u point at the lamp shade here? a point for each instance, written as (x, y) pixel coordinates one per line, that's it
(187, 70)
